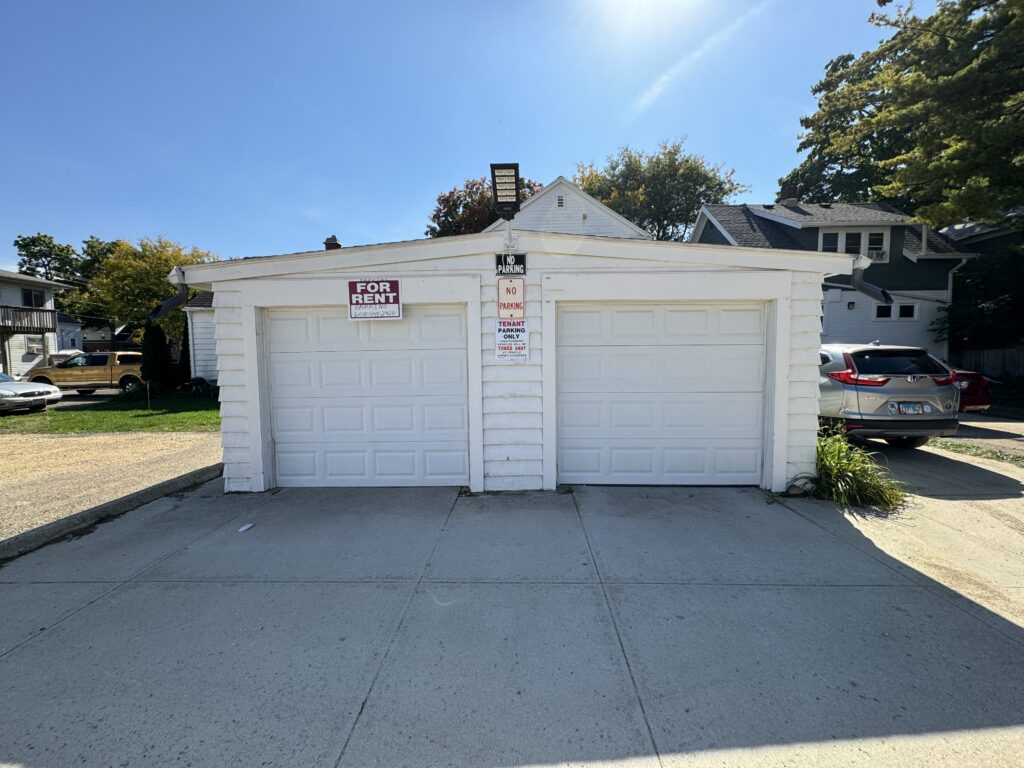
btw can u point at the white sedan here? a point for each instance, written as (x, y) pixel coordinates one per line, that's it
(25, 394)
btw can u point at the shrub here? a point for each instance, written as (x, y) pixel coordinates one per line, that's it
(849, 475)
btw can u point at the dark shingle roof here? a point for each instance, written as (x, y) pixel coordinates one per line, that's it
(202, 299)
(815, 214)
(750, 230)
(938, 243)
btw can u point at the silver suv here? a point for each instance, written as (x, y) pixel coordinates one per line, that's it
(902, 394)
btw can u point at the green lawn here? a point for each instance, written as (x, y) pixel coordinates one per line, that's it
(168, 414)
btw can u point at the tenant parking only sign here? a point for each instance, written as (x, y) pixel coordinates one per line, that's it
(374, 300)
(512, 341)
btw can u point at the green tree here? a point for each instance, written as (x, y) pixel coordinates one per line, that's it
(156, 359)
(469, 209)
(931, 120)
(661, 192)
(94, 251)
(40, 255)
(132, 279)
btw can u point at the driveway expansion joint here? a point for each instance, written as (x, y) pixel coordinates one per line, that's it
(618, 634)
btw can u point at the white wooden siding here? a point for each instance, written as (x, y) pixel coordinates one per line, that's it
(235, 396)
(859, 326)
(804, 343)
(202, 344)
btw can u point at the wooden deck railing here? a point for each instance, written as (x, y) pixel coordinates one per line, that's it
(27, 320)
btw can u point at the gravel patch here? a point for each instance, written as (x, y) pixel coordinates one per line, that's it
(48, 477)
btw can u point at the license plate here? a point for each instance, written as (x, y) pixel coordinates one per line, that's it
(908, 409)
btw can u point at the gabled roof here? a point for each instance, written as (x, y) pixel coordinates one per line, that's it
(371, 258)
(529, 218)
(17, 277)
(740, 225)
(830, 214)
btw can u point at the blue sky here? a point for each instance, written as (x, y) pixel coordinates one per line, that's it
(251, 128)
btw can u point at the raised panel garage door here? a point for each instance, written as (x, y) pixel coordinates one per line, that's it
(366, 403)
(661, 393)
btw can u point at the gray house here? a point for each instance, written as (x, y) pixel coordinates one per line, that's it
(916, 271)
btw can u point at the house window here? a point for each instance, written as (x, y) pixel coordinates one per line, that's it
(32, 298)
(34, 345)
(856, 243)
(896, 311)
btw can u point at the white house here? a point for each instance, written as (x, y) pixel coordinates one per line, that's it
(28, 321)
(635, 361)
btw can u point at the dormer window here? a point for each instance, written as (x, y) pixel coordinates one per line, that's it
(856, 242)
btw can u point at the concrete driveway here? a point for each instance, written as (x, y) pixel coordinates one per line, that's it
(605, 627)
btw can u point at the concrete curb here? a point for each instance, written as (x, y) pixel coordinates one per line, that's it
(23, 543)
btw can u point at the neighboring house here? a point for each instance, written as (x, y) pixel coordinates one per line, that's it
(202, 347)
(28, 321)
(103, 338)
(635, 362)
(69, 332)
(918, 277)
(563, 207)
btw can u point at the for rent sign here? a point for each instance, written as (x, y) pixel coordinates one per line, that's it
(374, 300)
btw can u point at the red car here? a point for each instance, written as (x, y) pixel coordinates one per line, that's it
(975, 396)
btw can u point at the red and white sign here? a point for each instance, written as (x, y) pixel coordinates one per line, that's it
(512, 341)
(512, 298)
(374, 300)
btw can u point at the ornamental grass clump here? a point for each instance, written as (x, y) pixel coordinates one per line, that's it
(849, 476)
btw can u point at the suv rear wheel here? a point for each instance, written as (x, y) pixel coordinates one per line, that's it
(41, 380)
(906, 442)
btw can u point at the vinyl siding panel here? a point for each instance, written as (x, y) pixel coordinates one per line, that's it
(859, 326)
(203, 345)
(235, 398)
(804, 342)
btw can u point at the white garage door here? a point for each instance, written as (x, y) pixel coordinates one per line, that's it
(373, 402)
(660, 393)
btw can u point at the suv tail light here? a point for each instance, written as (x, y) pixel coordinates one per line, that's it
(849, 376)
(941, 381)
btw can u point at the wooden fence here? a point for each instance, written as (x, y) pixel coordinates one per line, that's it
(994, 363)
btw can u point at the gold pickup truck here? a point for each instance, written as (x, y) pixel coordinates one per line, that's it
(93, 370)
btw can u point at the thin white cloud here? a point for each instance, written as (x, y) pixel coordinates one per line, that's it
(654, 91)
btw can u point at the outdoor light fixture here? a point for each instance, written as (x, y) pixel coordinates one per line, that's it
(505, 187)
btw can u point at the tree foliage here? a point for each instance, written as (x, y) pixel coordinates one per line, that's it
(156, 359)
(469, 209)
(661, 192)
(931, 120)
(132, 279)
(40, 255)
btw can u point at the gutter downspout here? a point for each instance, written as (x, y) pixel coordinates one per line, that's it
(176, 276)
(858, 283)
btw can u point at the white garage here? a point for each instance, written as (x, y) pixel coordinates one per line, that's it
(660, 393)
(630, 362)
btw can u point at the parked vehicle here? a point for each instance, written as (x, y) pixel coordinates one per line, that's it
(90, 371)
(31, 396)
(975, 396)
(901, 394)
